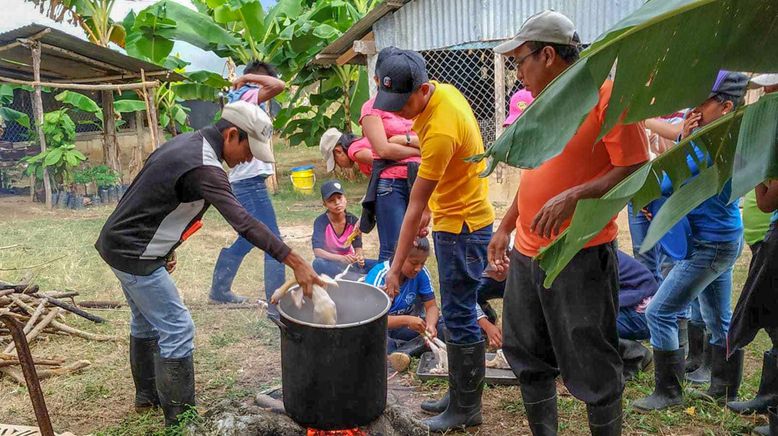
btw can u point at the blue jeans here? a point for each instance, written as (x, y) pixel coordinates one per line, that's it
(333, 267)
(653, 258)
(252, 194)
(706, 275)
(391, 201)
(632, 324)
(461, 261)
(156, 311)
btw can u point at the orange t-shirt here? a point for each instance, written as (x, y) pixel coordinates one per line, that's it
(583, 159)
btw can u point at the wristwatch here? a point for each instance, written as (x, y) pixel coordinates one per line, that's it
(407, 138)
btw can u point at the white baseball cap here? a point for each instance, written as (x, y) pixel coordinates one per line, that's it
(765, 80)
(546, 26)
(256, 123)
(327, 144)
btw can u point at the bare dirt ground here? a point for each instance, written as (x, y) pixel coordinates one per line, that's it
(238, 351)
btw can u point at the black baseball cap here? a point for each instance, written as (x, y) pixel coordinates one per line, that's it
(400, 72)
(330, 188)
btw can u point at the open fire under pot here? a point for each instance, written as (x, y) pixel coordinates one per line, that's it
(334, 376)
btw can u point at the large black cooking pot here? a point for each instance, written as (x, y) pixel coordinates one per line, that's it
(334, 377)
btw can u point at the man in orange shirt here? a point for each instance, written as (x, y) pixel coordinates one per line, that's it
(569, 329)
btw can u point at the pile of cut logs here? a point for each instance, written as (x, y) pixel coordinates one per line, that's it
(43, 315)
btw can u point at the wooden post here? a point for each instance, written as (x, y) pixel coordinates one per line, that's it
(37, 105)
(154, 126)
(151, 111)
(110, 143)
(499, 94)
(137, 152)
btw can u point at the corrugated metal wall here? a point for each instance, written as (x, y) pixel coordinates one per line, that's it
(433, 24)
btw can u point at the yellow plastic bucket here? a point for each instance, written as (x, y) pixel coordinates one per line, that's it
(303, 179)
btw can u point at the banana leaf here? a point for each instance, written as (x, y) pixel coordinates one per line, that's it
(20, 118)
(80, 102)
(744, 140)
(122, 106)
(155, 29)
(667, 52)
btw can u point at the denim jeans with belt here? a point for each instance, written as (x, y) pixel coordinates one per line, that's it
(461, 261)
(706, 275)
(252, 194)
(156, 311)
(391, 201)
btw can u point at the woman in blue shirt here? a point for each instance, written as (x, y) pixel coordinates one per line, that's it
(706, 274)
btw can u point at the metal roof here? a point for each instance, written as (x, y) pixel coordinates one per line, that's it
(437, 24)
(68, 58)
(357, 31)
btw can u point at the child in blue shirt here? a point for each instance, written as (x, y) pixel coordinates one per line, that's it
(414, 310)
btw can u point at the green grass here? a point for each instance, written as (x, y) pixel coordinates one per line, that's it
(238, 350)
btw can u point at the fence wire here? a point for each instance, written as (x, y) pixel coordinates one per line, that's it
(85, 122)
(472, 72)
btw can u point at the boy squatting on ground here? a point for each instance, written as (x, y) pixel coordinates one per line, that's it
(414, 312)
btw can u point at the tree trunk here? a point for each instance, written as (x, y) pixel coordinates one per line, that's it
(37, 104)
(110, 143)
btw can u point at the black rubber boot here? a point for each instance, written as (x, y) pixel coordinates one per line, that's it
(701, 375)
(696, 339)
(771, 429)
(768, 388)
(436, 406)
(635, 356)
(222, 280)
(668, 373)
(726, 374)
(143, 351)
(466, 371)
(605, 420)
(539, 400)
(176, 387)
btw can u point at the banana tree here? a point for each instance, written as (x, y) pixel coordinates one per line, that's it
(93, 16)
(668, 53)
(83, 103)
(152, 33)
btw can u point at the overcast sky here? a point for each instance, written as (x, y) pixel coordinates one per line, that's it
(19, 13)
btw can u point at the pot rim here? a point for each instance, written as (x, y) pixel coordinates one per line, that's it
(341, 326)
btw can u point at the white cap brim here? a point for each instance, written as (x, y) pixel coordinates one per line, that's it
(765, 80)
(327, 144)
(509, 46)
(262, 150)
(256, 123)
